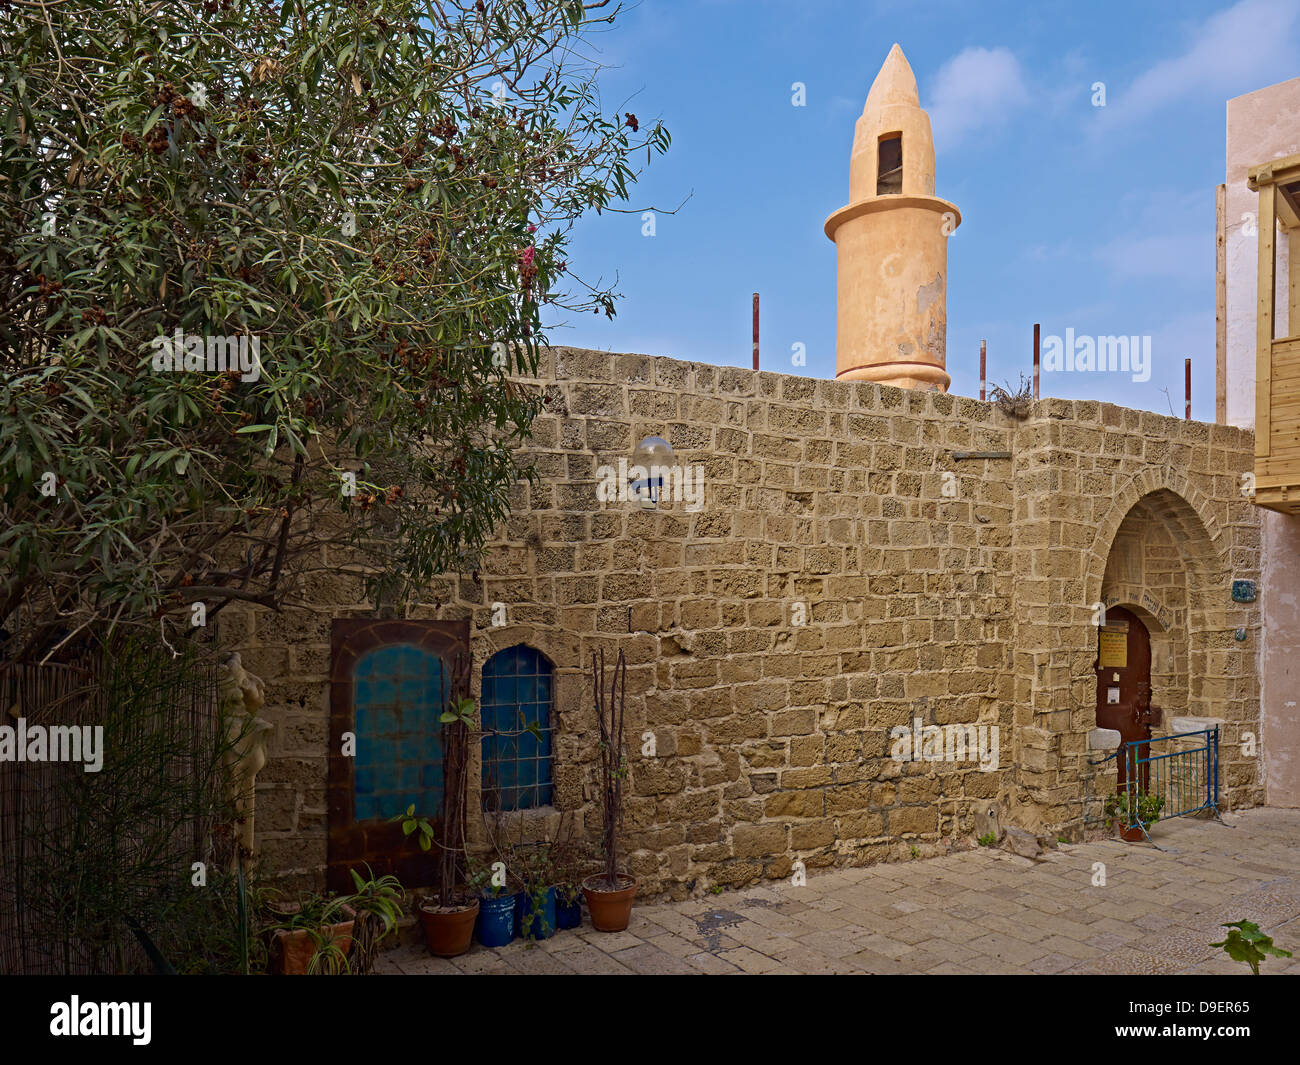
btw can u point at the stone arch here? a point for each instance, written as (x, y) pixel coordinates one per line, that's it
(1184, 506)
(1183, 633)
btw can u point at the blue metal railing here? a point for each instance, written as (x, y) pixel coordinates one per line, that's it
(1161, 782)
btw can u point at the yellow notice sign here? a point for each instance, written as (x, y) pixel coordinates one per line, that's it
(1112, 649)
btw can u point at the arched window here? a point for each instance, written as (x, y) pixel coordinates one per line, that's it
(517, 712)
(398, 698)
(889, 165)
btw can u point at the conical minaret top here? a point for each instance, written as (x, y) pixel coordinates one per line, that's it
(893, 107)
(895, 84)
(892, 243)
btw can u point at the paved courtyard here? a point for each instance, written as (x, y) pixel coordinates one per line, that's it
(980, 911)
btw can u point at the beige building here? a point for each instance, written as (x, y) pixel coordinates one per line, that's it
(863, 622)
(1263, 128)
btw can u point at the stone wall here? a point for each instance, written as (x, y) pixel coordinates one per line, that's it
(848, 573)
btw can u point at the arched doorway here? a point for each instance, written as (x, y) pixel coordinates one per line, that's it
(1123, 671)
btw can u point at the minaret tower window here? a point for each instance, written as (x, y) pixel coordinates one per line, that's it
(889, 165)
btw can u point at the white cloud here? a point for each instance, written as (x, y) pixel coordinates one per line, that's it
(977, 88)
(1241, 48)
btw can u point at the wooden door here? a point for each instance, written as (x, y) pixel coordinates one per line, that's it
(1124, 684)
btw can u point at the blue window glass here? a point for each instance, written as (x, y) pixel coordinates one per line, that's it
(517, 692)
(398, 698)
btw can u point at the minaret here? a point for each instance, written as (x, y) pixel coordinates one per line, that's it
(891, 242)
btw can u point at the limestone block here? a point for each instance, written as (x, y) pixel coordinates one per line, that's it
(1196, 724)
(1024, 843)
(1103, 739)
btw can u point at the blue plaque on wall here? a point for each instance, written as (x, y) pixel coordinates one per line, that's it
(1243, 591)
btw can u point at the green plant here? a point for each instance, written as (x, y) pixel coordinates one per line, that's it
(147, 840)
(411, 822)
(330, 958)
(381, 193)
(1247, 943)
(916, 851)
(457, 727)
(316, 915)
(377, 903)
(1146, 807)
(243, 931)
(482, 879)
(988, 839)
(310, 910)
(716, 889)
(613, 763)
(374, 908)
(533, 866)
(459, 710)
(573, 857)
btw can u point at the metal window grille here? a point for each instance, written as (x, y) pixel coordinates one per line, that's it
(517, 705)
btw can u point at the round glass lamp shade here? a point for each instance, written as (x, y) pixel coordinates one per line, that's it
(653, 451)
(650, 460)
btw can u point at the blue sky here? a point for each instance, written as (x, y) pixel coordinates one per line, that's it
(1096, 219)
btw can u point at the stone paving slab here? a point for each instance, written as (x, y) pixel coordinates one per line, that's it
(976, 912)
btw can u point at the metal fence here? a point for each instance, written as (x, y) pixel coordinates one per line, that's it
(1164, 777)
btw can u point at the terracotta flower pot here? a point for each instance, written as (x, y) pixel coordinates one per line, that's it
(447, 932)
(292, 949)
(610, 910)
(1132, 835)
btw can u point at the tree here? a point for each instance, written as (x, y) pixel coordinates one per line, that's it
(266, 274)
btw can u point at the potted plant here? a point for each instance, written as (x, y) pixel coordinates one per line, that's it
(311, 936)
(610, 894)
(332, 934)
(569, 858)
(535, 909)
(496, 912)
(448, 916)
(378, 907)
(568, 904)
(1136, 811)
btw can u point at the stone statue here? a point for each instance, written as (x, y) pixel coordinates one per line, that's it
(240, 695)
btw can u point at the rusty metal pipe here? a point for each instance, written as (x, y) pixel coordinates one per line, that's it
(1037, 352)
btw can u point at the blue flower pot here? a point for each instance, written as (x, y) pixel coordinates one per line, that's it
(543, 922)
(496, 920)
(568, 915)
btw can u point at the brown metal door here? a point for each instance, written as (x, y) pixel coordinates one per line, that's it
(388, 686)
(1124, 684)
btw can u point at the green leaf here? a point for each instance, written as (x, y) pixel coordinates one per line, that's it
(154, 115)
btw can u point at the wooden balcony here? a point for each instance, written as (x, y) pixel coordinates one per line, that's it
(1277, 366)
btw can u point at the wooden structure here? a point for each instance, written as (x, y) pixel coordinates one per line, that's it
(1277, 374)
